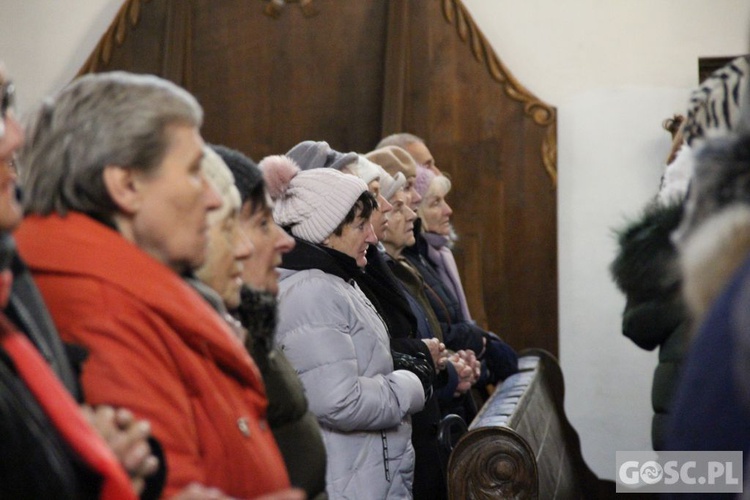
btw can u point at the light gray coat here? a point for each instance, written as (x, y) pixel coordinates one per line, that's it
(338, 344)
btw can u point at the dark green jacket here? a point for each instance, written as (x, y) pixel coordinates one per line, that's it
(646, 271)
(295, 428)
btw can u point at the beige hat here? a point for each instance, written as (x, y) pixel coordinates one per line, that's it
(218, 174)
(394, 159)
(389, 185)
(312, 202)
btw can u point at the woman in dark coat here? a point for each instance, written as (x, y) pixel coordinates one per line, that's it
(443, 285)
(384, 291)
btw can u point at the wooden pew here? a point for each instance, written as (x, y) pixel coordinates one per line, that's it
(521, 444)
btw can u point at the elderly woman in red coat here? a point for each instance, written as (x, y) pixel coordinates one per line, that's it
(117, 205)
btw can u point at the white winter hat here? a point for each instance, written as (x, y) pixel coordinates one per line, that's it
(218, 174)
(365, 169)
(312, 202)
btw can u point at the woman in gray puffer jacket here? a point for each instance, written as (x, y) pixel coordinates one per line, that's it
(334, 337)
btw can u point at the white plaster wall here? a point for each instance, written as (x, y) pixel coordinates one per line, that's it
(43, 43)
(614, 69)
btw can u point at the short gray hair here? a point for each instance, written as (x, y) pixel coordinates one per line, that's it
(401, 140)
(115, 118)
(440, 185)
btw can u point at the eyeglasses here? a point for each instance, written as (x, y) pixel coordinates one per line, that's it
(7, 102)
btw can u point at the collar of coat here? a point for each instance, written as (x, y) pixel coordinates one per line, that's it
(307, 255)
(78, 245)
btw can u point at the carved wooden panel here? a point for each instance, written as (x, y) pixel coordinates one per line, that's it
(521, 444)
(349, 72)
(493, 463)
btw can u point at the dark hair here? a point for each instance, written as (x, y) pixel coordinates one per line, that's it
(363, 207)
(256, 198)
(247, 177)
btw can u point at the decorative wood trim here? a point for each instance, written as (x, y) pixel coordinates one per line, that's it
(129, 14)
(549, 152)
(543, 114)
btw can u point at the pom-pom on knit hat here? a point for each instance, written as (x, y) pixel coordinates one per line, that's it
(394, 159)
(389, 185)
(311, 202)
(318, 154)
(218, 174)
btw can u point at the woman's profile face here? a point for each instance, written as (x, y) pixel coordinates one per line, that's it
(270, 242)
(379, 217)
(400, 231)
(435, 212)
(354, 240)
(171, 221)
(228, 247)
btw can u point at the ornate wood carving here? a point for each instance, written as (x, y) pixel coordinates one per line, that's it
(521, 444)
(549, 152)
(493, 463)
(128, 16)
(455, 13)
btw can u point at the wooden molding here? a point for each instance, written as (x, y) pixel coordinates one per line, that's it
(543, 114)
(128, 16)
(549, 153)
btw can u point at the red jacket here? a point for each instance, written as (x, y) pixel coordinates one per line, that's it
(69, 424)
(156, 347)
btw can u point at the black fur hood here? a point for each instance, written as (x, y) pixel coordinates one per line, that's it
(646, 261)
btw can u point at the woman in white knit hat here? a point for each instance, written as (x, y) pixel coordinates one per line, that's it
(220, 277)
(333, 336)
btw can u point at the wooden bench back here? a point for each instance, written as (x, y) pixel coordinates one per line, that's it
(521, 444)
